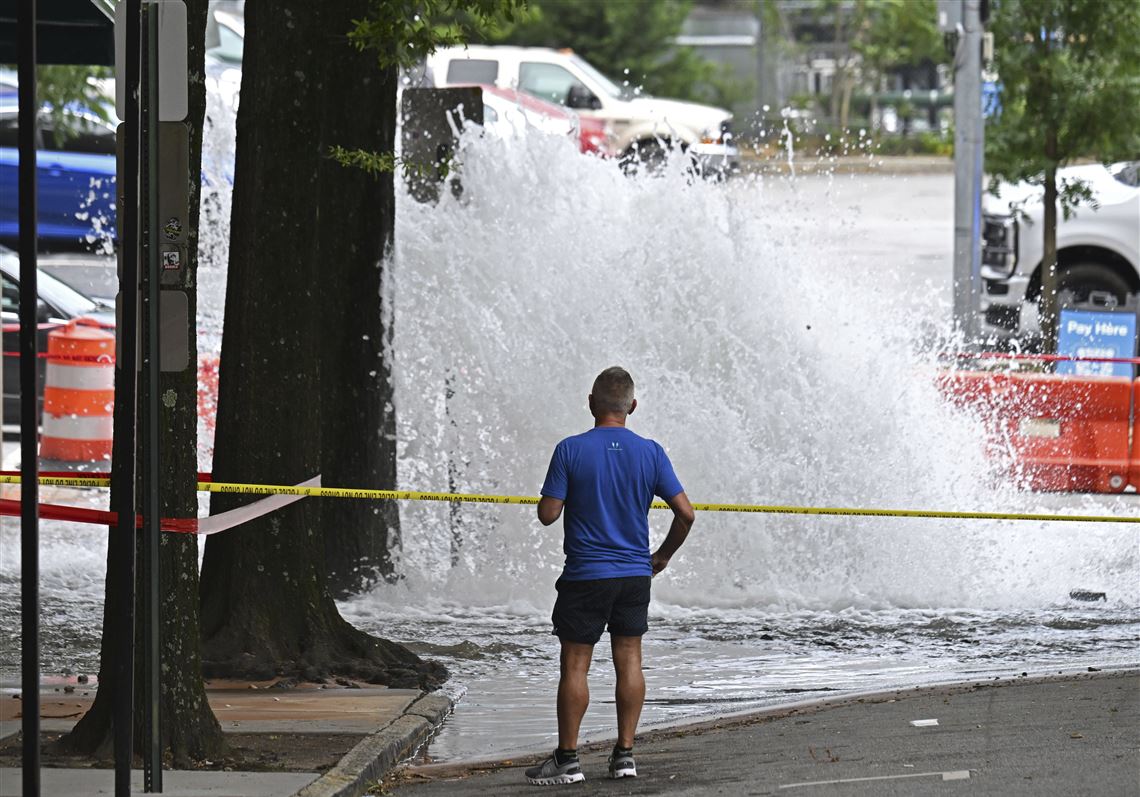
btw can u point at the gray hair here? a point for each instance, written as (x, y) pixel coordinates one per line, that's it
(613, 390)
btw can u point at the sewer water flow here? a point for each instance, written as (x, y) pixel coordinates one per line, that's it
(777, 330)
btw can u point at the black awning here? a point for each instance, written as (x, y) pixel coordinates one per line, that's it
(69, 32)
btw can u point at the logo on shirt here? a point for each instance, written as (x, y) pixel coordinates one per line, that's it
(615, 445)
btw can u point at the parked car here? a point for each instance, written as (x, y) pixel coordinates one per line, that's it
(643, 127)
(75, 175)
(510, 112)
(1098, 248)
(58, 304)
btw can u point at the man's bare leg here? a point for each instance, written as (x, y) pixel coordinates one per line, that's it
(630, 691)
(573, 691)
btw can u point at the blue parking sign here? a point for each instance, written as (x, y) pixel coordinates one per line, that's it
(1092, 333)
(991, 99)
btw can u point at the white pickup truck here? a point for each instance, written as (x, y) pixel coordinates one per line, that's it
(1098, 249)
(642, 127)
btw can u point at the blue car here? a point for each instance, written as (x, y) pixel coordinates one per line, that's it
(76, 179)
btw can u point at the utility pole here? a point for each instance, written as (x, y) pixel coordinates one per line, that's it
(27, 117)
(964, 19)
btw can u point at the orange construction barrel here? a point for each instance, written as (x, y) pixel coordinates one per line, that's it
(79, 393)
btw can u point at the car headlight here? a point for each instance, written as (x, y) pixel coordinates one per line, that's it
(999, 245)
(719, 134)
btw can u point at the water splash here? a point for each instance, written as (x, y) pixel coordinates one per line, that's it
(770, 372)
(789, 147)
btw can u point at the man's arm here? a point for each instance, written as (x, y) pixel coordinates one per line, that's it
(683, 517)
(549, 509)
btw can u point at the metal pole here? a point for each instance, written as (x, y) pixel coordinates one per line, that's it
(29, 403)
(122, 542)
(152, 754)
(969, 148)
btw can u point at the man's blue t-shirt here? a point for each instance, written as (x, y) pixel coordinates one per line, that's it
(607, 478)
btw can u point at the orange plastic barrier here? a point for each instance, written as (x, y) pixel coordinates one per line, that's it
(79, 393)
(1050, 431)
(1135, 479)
(208, 390)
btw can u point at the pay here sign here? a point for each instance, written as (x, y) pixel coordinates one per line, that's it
(1089, 333)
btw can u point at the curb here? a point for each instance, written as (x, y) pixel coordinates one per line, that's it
(371, 759)
(886, 165)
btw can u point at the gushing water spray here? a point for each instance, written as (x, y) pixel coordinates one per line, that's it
(767, 371)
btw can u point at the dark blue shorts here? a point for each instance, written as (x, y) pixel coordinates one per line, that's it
(586, 608)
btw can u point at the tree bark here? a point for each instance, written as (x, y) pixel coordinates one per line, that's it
(266, 606)
(188, 729)
(356, 217)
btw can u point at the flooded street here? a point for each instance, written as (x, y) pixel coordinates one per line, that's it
(702, 664)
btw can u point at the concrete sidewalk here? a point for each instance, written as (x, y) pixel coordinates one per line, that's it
(1064, 735)
(1074, 735)
(378, 727)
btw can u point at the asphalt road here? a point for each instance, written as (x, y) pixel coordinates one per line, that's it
(1075, 735)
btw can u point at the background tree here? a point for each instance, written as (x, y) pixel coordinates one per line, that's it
(1070, 88)
(851, 23)
(188, 728)
(287, 377)
(631, 42)
(59, 85)
(902, 38)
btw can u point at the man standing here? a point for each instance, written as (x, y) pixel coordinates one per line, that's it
(606, 479)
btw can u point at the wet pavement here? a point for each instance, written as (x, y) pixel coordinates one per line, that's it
(1061, 735)
(387, 725)
(1052, 736)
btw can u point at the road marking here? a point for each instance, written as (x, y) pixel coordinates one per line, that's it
(959, 774)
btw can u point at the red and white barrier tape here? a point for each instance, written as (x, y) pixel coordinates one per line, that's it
(200, 526)
(1003, 355)
(108, 359)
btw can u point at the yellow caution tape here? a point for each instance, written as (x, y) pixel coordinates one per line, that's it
(60, 481)
(767, 509)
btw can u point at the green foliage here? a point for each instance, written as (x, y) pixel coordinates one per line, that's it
(60, 86)
(630, 41)
(403, 32)
(899, 34)
(376, 163)
(1070, 88)
(925, 143)
(868, 39)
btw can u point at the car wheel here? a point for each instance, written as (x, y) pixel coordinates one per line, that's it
(1083, 280)
(646, 157)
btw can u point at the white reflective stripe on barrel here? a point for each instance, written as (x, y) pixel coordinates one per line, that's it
(74, 427)
(80, 377)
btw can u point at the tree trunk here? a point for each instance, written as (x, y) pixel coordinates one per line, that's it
(266, 607)
(188, 729)
(837, 76)
(354, 233)
(845, 103)
(906, 117)
(1048, 303)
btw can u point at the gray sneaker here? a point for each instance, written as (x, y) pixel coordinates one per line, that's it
(548, 773)
(622, 765)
